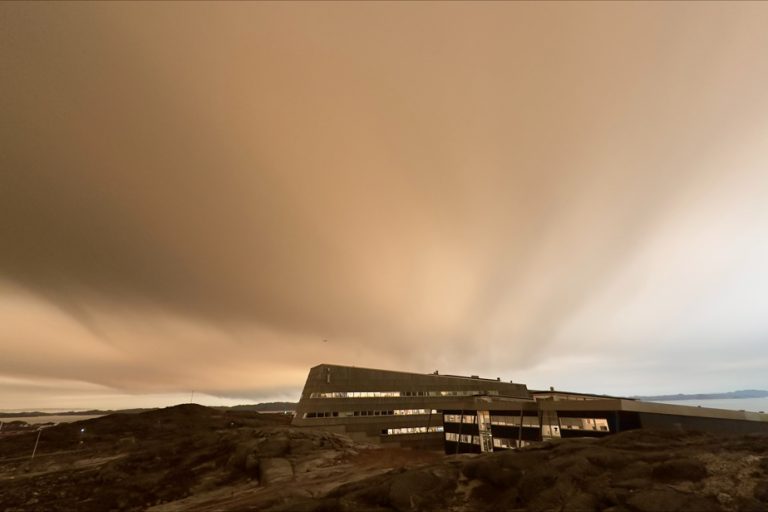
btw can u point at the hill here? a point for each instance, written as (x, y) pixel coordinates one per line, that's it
(191, 457)
(260, 407)
(264, 407)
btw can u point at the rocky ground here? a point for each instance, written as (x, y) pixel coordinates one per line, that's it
(195, 458)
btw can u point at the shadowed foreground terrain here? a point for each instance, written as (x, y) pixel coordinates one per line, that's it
(191, 457)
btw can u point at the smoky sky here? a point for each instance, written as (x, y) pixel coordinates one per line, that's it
(195, 196)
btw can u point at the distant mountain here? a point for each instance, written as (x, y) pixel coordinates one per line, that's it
(744, 393)
(263, 407)
(92, 412)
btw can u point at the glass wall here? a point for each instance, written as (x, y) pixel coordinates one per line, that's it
(390, 412)
(389, 394)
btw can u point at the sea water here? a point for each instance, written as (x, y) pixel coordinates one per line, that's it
(735, 404)
(33, 420)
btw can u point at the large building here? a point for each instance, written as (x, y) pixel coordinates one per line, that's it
(474, 425)
(388, 406)
(470, 414)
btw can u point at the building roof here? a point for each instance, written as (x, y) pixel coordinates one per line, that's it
(535, 392)
(467, 377)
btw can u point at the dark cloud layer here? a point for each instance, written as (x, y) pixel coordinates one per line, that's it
(424, 183)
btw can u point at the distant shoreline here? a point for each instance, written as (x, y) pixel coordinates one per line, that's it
(45, 420)
(745, 393)
(91, 412)
(262, 407)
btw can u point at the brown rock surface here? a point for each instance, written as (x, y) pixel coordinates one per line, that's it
(194, 458)
(275, 470)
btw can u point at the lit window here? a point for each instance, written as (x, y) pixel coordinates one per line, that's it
(412, 430)
(378, 394)
(594, 424)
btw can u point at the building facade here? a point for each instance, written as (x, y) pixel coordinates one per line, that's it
(477, 425)
(382, 406)
(473, 415)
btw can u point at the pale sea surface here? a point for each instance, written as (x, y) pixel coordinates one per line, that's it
(735, 404)
(32, 420)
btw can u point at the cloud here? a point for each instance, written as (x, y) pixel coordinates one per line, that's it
(197, 195)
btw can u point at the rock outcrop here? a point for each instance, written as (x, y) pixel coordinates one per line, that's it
(195, 458)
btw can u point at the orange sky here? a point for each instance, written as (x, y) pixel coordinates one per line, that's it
(193, 196)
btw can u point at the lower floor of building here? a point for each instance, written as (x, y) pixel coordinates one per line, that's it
(478, 430)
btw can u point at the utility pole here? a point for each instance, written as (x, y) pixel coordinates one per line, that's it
(39, 431)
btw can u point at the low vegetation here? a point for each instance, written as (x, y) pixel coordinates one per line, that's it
(196, 458)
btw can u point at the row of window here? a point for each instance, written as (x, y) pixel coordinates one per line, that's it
(514, 421)
(598, 424)
(348, 414)
(498, 442)
(459, 418)
(409, 430)
(463, 438)
(325, 414)
(564, 396)
(386, 394)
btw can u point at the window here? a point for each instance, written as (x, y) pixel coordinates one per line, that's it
(395, 412)
(458, 418)
(514, 421)
(506, 444)
(380, 394)
(411, 430)
(593, 424)
(464, 438)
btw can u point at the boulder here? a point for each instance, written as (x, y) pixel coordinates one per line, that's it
(273, 446)
(490, 470)
(580, 502)
(418, 490)
(536, 481)
(576, 465)
(667, 500)
(761, 491)
(319, 459)
(609, 459)
(274, 470)
(656, 500)
(678, 470)
(375, 495)
(251, 464)
(301, 446)
(634, 470)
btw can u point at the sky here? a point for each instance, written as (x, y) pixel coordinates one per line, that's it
(201, 201)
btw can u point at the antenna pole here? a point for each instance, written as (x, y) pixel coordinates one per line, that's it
(39, 431)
